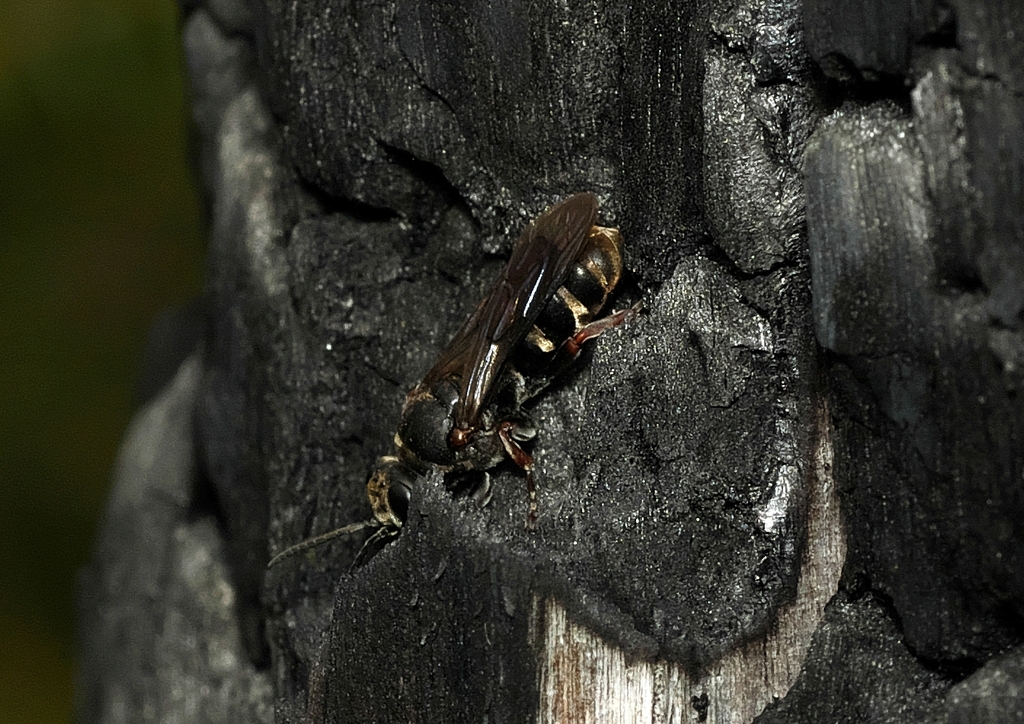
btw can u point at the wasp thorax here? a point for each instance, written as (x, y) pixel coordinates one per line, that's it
(427, 424)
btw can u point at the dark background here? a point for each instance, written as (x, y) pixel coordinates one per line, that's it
(100, 230)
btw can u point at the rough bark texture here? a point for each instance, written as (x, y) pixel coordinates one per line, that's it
(823, 212)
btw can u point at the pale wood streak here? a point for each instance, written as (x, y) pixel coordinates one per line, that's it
(584, 680)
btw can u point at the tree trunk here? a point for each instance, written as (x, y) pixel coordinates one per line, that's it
(788, 491)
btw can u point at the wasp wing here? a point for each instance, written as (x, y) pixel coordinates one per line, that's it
(539, 264)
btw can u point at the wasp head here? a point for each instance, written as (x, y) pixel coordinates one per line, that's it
(389, 491)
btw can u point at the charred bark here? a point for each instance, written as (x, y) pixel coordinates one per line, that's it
(789, 491)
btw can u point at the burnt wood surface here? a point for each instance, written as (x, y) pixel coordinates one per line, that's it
(822, 209)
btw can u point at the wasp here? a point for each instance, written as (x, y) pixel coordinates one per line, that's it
(467, 413)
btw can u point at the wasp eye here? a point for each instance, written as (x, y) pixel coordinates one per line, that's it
(399, 495)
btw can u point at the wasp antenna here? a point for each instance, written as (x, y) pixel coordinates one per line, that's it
(320, 540)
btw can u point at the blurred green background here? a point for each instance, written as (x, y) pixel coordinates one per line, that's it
(100, 230)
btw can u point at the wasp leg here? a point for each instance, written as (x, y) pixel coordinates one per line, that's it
(507, 433)
(321, 539)
(382, 533)
(483, 492)
(599, 327)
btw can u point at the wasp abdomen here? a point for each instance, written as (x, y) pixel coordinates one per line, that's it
(576, 302)
(586, 287)
(554, 324)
